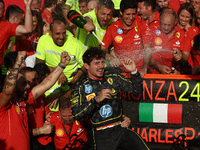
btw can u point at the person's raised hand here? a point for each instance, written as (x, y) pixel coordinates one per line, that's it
(27, 3)
(21, 56)
(65, 59)
(129, 64)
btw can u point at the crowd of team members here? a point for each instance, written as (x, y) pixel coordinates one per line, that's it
(41, 58)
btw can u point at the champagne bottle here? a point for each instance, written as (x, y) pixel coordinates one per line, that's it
(76, 18)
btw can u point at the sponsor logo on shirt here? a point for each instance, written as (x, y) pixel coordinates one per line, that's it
(106, 111)
(89, 97)
(157, 48)
(17, 109)
(158, 32)
(178, 34)
(137, 43)
(158, 41)
(59, 132)
(136, 28)
(177, 43)
(110, 81)
(118, 39)
(136, 36)
(88, 88)
(120, 31)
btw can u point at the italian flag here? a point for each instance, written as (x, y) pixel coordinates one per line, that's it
(160, 113)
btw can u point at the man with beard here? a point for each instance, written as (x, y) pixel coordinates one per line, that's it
(68, 132)
(96, 96)
(97, 21)
(14, 131)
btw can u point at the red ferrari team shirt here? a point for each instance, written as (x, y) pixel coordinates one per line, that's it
(14, 131)
(37, 110)
(156, 19)
(61, 139)
(188, 44)
(163, 47)
(47, 16)
(7, 30)
(128, 43)
(28, 44)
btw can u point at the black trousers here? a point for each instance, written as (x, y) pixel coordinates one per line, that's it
(117, 138)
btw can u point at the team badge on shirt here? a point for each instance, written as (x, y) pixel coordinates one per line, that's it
(88, 88)
(136, 28)
(118, 39)
(178, 34)
(59, 132)
(89, 97)
(120, 31)
(110, 81)
(106, 111)
(17, 109)
(158, 41)
(158, 32)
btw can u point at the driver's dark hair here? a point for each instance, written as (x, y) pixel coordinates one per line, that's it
(93, 52)
(126, 4)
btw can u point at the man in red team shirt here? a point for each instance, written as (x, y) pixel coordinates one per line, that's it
(67, 130)
(8, 29)
(130, 37)
(167, 38)
(14, 131)
(146, 11)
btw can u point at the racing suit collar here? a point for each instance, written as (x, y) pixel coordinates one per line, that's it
(95, 78)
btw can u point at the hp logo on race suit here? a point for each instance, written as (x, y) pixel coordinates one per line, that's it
(106, 111)
(88, 88)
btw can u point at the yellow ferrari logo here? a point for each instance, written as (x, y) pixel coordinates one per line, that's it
(136, 28)
(110, 81)
(178, 34)
(17, 109)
